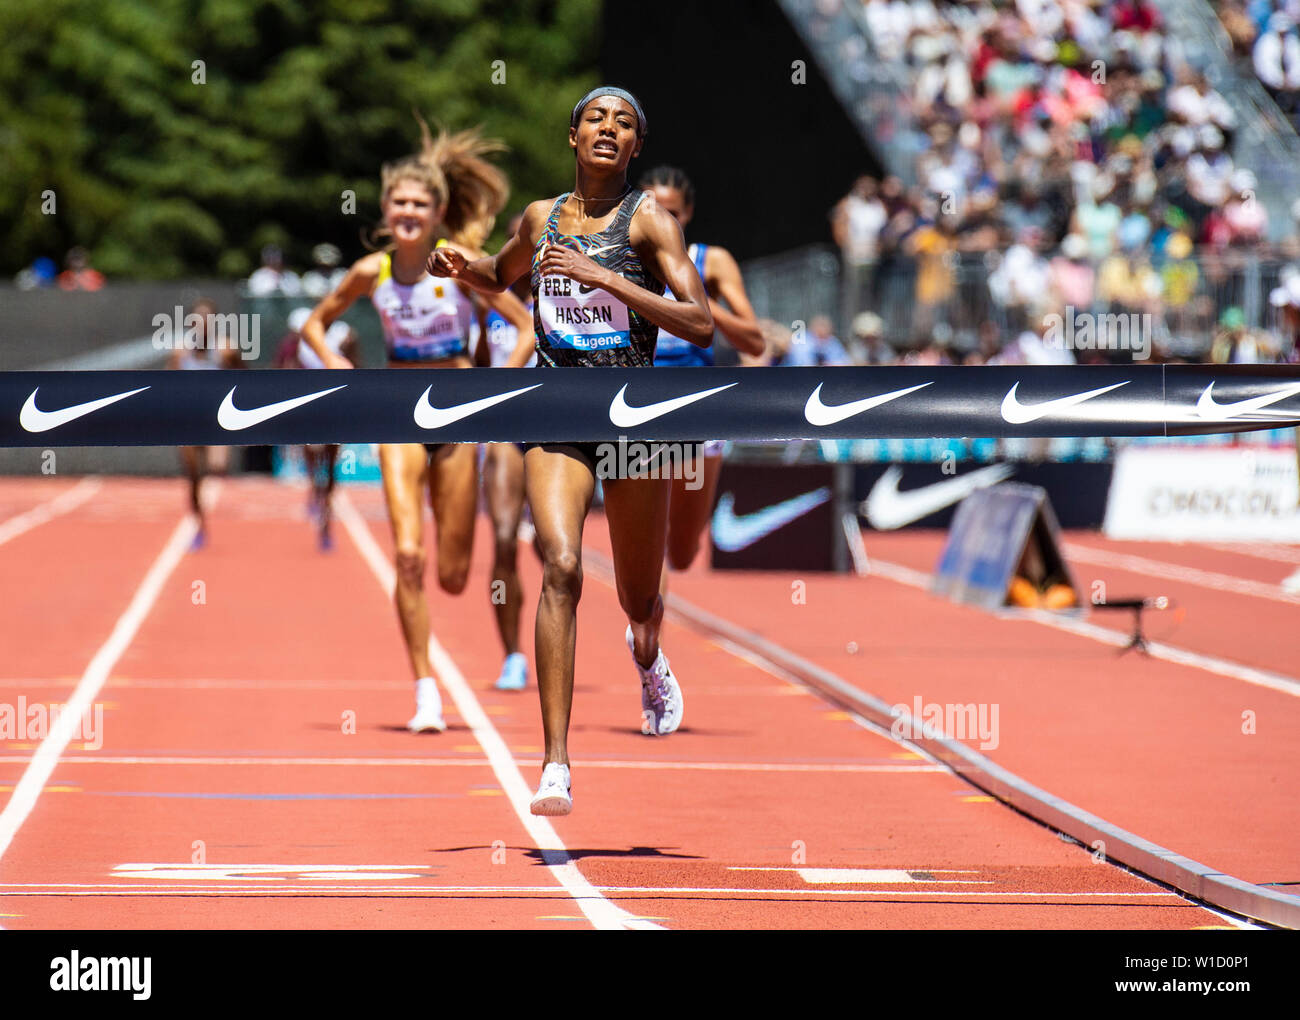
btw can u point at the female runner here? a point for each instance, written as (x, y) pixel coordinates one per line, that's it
(691, 505)
(192, 354)
(447, 196)
(620, 251)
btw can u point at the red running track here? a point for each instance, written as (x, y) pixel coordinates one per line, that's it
(252, 769)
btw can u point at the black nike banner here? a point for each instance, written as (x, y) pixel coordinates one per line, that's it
(247, 408)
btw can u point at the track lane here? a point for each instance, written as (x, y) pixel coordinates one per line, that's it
(319, 640)
(1075, 718)
(759, 765)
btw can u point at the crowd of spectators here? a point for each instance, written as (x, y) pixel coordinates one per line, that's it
(1068, 160)
(78, 274)
(273, 278)
(1264, 33)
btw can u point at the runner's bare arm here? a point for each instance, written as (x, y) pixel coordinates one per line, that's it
(359, 281)
(482, 353)
(658, 240)
(504, 302)
(738, 323)
(524, 349)
(494, 273)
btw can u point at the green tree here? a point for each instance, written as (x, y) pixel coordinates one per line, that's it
(179, 136)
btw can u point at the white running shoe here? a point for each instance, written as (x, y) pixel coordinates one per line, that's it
(514, 673)
(428, 707)
(553, 796)
(661, 695)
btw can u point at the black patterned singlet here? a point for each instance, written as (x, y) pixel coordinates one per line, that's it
(581, 326)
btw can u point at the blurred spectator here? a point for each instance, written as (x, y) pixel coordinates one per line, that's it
(868, 346)
(856, 223)
(272, 278)
(1020, 283)
(1240, 27)
(1179, 275)
(817, 347)
(1235, 344)
(41, 273)
(325, 274)
(1244, 214)
(1098, 220)
(286, 352)
(1276, 56)
(1195, 103)
(1071, 279)
(78, 275)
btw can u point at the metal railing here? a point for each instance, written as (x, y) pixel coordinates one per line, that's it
(794, 286)
(952, 297)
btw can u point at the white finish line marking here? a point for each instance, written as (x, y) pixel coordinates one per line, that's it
(272, 872)
(557, 892)
(876, 876)
(703, 766)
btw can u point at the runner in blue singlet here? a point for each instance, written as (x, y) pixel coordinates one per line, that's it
(695, 485)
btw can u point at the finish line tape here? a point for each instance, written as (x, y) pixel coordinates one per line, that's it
(241, 407)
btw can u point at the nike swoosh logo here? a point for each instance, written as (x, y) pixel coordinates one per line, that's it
(822, 415)
(732, 533)
(585, 289)
(33, 419)
(597, 251)
(429, 417)
(1208, 407)
(886, 509)
(235, 419)
(1019, 414)
(626, 417)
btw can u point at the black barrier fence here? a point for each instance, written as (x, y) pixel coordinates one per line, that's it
(243, 408)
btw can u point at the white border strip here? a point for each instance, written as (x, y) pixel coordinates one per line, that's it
(1177, 572)
(1115, 638)
(600, 912)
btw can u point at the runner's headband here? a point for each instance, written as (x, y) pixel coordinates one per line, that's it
(609, 90)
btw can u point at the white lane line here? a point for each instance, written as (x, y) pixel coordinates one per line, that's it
(1273, 553)
(1115, 638)
(42, 763)
(67, 500)
(599, 911)
(479, 763)
(1176, 572)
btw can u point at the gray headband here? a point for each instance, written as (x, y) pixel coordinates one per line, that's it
(609, 90)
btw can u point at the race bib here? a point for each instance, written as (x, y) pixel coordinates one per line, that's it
(581, 317)
(430, 336)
